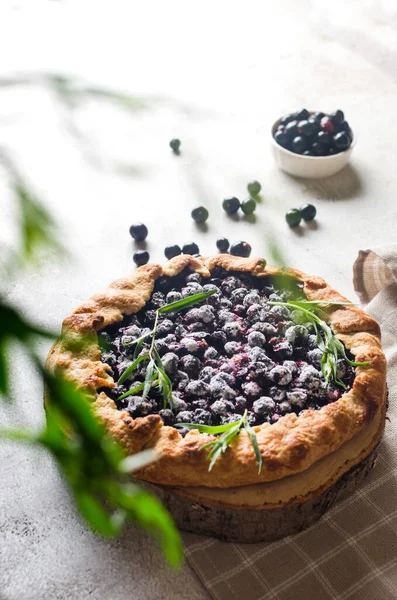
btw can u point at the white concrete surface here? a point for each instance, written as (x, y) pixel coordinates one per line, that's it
(217, 74)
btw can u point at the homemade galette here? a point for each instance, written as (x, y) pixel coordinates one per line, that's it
(235, 372)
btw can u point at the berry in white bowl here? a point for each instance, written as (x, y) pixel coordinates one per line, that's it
(312, 144)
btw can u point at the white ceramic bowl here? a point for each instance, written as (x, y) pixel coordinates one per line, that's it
(311, 167)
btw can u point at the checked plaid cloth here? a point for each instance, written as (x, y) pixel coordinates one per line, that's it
(351, 553)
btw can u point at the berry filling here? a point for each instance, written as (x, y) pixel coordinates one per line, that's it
(231, 353)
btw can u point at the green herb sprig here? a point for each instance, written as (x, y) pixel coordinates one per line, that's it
(332, 348)
(229, 432)
(94, 465)
(155, 375)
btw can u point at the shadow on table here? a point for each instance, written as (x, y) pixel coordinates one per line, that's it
(345, 185)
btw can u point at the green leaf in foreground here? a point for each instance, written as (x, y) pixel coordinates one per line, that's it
(150, 514)
(37, 225)
(4, 384)
(14, 325)
(96, 468)
(96, 514)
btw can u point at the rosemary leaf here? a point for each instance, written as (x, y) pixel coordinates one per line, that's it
(132, 367)
(138, 347)
(254, 442)
(139, 339)
(341, 348)
(318, 303)
(328, 343)
(165, 386)
(185, 303)
(229, 432)
(221, 444)
(155, 364)
(214, 429)
(148, 378)
(95, 513)
(134, 390)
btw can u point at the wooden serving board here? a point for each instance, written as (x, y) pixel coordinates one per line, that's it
(258, 524)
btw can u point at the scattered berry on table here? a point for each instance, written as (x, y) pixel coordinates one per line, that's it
(254, 187)
(175, 144)
(248, 206)
(293, 217)
(222, 244)
(140, 257)
(308, 212)
(172, 251)
(240, 249)
(200, 214)
(231, 205)
(190, 248)
(138, 231)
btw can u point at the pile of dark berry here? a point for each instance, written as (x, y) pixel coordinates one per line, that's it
(314, 134)
(231, 353)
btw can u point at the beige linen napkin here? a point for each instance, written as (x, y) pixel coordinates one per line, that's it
(351, 553)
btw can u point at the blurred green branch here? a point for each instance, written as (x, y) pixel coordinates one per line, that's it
(73, 91)
(94, 465)
(37, 228)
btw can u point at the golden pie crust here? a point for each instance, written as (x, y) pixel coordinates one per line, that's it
(288, 447)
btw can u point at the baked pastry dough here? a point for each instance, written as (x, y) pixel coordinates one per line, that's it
(289, 446)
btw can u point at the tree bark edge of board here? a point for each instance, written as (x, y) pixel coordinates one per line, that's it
(251, 526)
